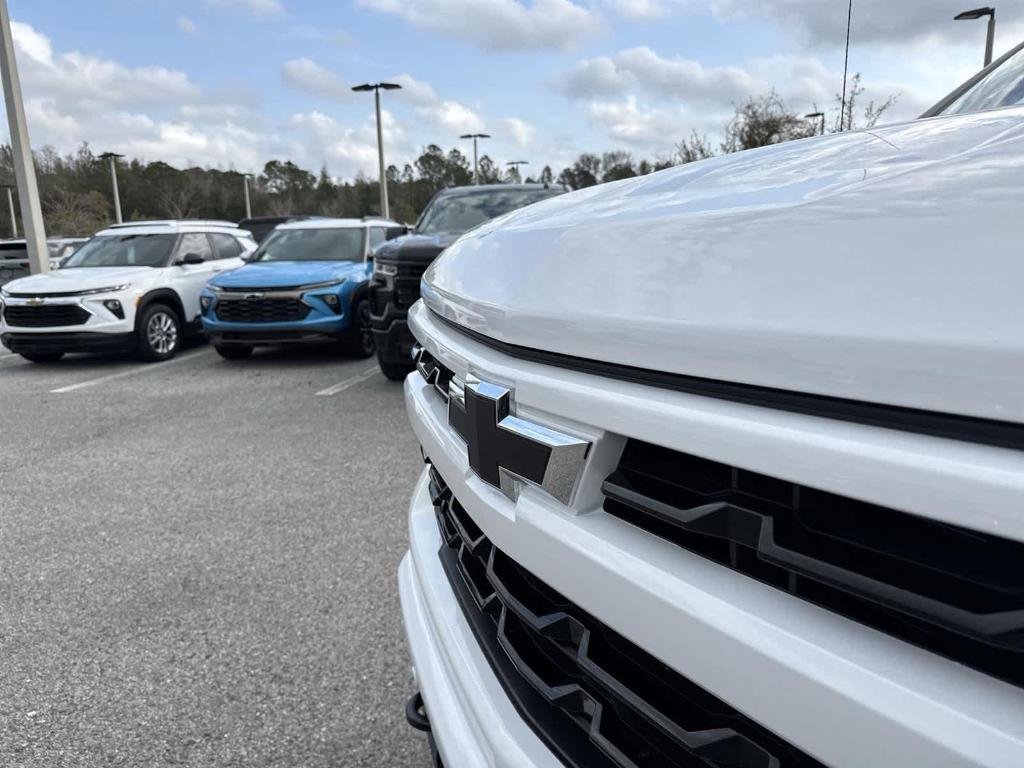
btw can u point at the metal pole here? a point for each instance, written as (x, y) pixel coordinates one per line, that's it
(380, 157)
(10, 206)
(248, 202)
(822, 123)
(117, 194)
(991, 37)
(21, 150)
(476, 165)
(846, 66)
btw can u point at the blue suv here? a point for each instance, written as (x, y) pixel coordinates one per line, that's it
(306, 284)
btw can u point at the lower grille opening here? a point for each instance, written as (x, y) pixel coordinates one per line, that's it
(51, 316)
(595, 698)
(951, 590)
(261, 310)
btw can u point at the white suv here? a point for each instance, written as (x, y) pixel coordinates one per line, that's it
(132, 287)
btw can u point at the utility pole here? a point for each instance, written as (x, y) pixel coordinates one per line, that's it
(10, 206)
(376, 88)
(846, 67)
(476, 164)
(248, 202)
(990, 39)
(113, 157)
(21, 151)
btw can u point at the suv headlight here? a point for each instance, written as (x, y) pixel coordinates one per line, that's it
(111, 289)
(315, 286)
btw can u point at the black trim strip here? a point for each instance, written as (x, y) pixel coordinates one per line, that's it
(1002, 434)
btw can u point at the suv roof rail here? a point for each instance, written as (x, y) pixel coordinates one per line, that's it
(175, 223)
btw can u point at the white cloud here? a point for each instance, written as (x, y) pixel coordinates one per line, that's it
(517, 130)
(351, 150)
(642, 10)
(258, 8)
(187, 26)
(500, 24)
(306, 75)
(450, 116)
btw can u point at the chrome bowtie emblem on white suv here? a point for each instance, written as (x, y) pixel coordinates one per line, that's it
(504, 449)
(36, 302)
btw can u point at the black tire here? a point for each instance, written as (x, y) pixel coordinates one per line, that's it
(158, 333)
(42, 357)
(233, 351)
(359, 339)
(395, 371)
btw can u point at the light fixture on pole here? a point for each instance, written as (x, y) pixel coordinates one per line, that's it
(10, 206)
(978, 13)
(21, 151)
(817, 116)
(113, 158)
(248, 202)
(514, 165)
(376, 88)
(476, 166)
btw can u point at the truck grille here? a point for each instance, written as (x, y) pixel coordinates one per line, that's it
(951, 590)
(596, 699)
(261, 310)
(46, 316)
(404, 290)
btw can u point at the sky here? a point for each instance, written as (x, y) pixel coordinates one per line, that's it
(234, 83)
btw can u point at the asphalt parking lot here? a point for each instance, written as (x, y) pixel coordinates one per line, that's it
(199, 562)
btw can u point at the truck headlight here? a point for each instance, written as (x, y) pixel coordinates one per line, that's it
(385, 269)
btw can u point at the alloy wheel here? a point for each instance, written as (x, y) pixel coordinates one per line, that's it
(162, 333)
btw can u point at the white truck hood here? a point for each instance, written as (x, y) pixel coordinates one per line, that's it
(78, 279)
(881, 266)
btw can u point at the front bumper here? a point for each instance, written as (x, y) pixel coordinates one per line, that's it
(394, 341)
(838, 690)
(471, 718)
(68, 342)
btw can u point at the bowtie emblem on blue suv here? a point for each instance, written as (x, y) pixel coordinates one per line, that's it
(504, 449)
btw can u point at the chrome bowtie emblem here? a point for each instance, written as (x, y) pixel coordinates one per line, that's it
(504, 449)
(36, 302)
(253, 296)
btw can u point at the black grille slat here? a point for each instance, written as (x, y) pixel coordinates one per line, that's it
(594, 697)
(265, 310)
(954, 591)
(46, 316)
(404, 288)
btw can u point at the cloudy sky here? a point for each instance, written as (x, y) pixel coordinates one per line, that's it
(233, 83)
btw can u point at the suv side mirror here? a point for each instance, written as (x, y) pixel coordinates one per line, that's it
(190, 259)
(393, 232)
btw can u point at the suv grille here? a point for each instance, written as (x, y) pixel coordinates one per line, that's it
(261, 310)
(46, 316)
(595, 698)
(953, 591)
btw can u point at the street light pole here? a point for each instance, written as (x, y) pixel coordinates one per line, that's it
(476, 164)
(21, 151)
(990, 39)
(248, 202)
(376, 88)
(112, 157)
(514, 165)
(10, 207)
(818, 115)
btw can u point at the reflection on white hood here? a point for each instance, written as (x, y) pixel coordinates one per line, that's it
(76, 279)
(881, 266)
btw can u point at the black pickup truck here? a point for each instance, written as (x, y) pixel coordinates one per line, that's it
(399, 264)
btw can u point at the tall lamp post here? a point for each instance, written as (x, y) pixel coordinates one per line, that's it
(817, 116)
(376, 88)
(978, 13)
(10, 206)
(21, 151)
(514, 165)
(476, 165)
(248, 201)
(113, 158)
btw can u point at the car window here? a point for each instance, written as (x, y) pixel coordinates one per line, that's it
(226, 246)
(195, 242)
(460, 212)
(1002, 87)
(124, 250)
(377, 236)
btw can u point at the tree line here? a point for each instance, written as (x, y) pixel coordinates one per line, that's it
(76, 193)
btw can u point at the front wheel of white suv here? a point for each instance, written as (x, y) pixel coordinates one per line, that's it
(159, 333)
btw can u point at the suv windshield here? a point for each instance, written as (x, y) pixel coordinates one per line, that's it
(461, 212)
(124, 251)
(312, 245)
(1002, 87)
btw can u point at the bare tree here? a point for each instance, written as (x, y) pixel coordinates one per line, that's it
(697, 147)
(763, 120)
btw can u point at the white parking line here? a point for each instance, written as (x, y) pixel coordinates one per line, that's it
(133, 372)
(341, 386)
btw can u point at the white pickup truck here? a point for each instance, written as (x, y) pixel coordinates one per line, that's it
(725, 464)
